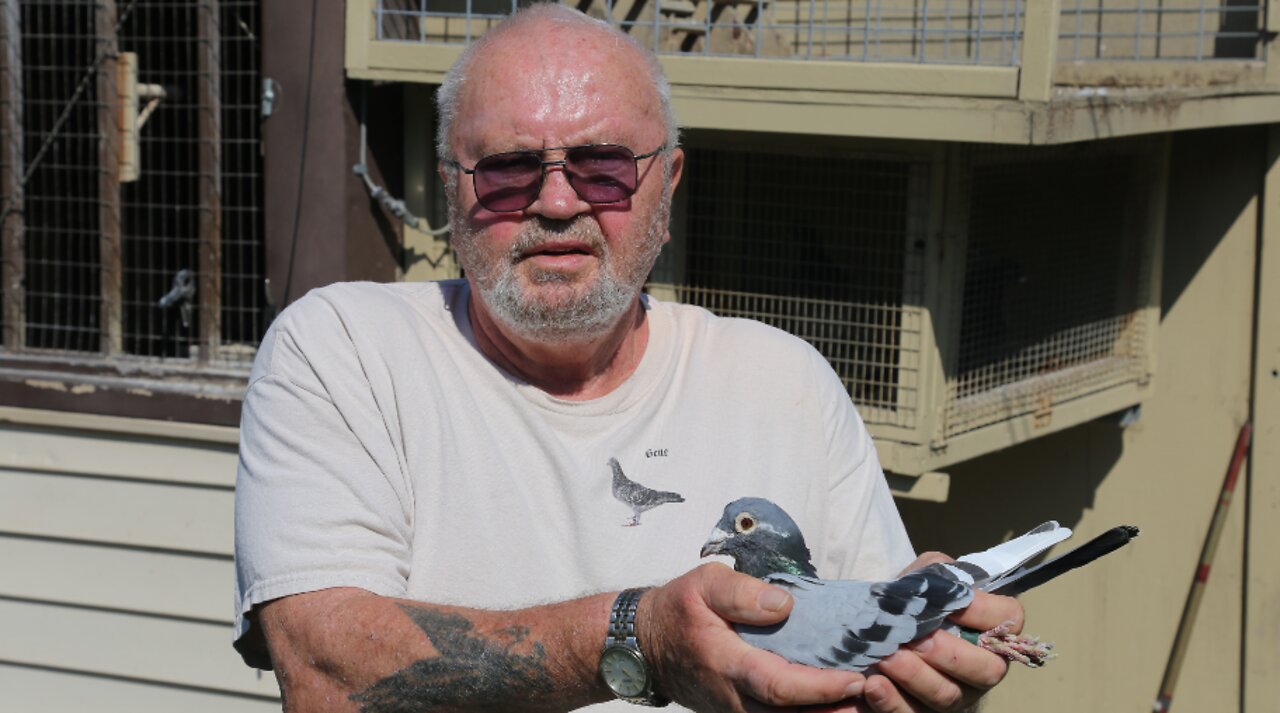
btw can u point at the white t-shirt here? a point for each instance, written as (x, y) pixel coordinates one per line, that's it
(380, 449)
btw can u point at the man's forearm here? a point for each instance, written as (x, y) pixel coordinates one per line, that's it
(351, 650)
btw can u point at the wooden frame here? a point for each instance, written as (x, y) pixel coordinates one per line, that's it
(1022, 104)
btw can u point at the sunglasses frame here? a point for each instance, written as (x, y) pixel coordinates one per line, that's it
(562, 162)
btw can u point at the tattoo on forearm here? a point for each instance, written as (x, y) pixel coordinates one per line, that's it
(471, 668)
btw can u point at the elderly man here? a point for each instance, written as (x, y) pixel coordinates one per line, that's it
(443, 487)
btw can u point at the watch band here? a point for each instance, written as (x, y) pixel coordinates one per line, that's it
(622, 635)
(622, 619)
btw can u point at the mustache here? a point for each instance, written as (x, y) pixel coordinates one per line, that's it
(543, 230)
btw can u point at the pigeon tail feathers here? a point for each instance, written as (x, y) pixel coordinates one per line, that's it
(1006, 557)
(1028, 577)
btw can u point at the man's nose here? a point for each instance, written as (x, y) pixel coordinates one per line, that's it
(557, 199)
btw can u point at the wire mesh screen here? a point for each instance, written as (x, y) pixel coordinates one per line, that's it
(822, 247)
(1056, 271)
(1161, 30)
(941, 31)
(60, 212)
(140, 217)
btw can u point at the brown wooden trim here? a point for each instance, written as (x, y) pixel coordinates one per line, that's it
(209, 96)
(109, 242)
(132, 399)
(340, 233)
(11, 228)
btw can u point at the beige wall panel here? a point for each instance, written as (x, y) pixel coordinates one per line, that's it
(1114, 622)
(173, 517)
(117, 578)
(1262, 632)
(37, 691)
(137, 647)
(48, 448)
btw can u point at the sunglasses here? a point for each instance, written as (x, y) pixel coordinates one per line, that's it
(599, 173)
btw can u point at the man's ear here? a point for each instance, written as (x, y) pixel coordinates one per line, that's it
(677, 169)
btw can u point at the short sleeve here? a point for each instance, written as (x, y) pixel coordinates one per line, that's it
(866, 538)
(320, 497)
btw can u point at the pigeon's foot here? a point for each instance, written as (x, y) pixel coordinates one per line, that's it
(635, 520)
(1026, 650)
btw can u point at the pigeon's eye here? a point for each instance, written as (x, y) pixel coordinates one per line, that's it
(744, 522)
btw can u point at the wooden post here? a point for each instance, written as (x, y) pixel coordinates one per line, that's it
(109, 241)
(11, 198)
(1039, 50)
(1271, 41)
(209, 96)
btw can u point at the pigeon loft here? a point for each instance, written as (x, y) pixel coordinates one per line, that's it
(970, 297)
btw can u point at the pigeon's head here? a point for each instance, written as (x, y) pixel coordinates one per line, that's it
(761, 538)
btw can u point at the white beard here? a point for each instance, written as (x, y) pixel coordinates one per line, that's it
(567, 314)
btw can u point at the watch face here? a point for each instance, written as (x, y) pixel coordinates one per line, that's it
(623, 671)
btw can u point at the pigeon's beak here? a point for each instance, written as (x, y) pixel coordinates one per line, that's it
(715, 543)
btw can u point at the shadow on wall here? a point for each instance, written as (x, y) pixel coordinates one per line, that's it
(1201, 212)
(1056, 477)
(1000, 494)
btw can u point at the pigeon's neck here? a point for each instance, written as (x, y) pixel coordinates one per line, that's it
(762, 564)
(619, 478)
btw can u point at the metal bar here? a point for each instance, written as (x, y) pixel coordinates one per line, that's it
(924, 23)
(977, 51)
(1004, 29)
(808, 54)
(1075, 46)
(657, 24)
(11, 232)
(1159, 26)
(759, 25)
(1200, 32)
(866, 31)
(111, 328)
(1017, 32)
(209, 96)
(1137, 33)
(879, 26)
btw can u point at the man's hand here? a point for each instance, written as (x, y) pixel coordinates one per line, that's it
(943, 672)
(700, 661)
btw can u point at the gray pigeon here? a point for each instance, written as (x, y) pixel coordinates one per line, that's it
(851, 625)
(636, 496)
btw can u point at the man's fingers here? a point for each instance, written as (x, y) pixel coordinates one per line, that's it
(740, 598)
(926, 559)
(938, 673)
(767, 678)
(956, 659)
(987, 611)
(882, 696)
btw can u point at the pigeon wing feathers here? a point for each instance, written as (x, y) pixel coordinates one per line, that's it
(851, 625)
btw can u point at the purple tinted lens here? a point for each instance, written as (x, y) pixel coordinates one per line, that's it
(508, 181)
(602, 174)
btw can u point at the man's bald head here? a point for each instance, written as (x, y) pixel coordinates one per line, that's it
(546, 22)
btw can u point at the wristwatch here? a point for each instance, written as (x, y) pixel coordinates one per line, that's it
(622, 666)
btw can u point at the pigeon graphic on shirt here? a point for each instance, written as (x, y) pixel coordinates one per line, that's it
(636, 496)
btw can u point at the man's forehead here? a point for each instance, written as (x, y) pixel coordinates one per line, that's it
(574, 48)
(529, 88)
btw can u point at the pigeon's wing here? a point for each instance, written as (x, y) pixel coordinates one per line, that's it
(850, 625)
